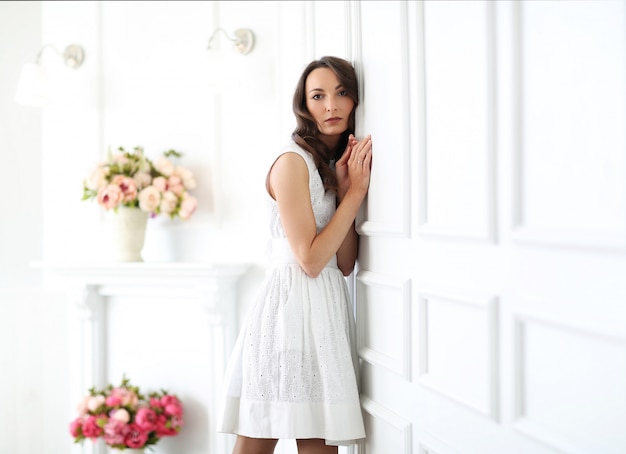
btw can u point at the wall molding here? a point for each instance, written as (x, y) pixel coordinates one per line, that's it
(426, 227)
(521, 422)
(402, 365)
(404, 427)
(489, 305)
(521, 231)
(401, 225)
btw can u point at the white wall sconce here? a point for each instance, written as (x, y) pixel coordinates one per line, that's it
(32, 86)
(243, 40)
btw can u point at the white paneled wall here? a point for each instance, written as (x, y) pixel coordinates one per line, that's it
(34, 370)
(490, 296)
(511, 155)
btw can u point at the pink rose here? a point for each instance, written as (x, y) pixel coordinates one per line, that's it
(110, 196)
(169, 399)
(114, 401)
(128, 187)
(175, 184)
(149, 198)
(171, 405)
(187, 206)
(92, 425)
(128, 397)
(160, 183)
(155, 402)
(135, 438)
(164, 427)
(146, 419)
(177, 422)
(115, 432)
(76, 427)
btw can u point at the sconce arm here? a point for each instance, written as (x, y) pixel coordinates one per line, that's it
(243, 40)
(73, 55)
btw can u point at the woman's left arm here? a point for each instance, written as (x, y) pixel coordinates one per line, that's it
(347, 252)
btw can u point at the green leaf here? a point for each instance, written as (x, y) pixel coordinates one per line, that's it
(174, 153)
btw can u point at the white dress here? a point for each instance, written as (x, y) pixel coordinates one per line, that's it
(293, 371)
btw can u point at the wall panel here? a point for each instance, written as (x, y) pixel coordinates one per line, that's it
(384, 302)
(457, 341)
(568, 381)
(457, 188)
(571, 87)
(385, 92)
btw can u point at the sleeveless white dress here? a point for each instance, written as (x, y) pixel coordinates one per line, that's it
(293, 370)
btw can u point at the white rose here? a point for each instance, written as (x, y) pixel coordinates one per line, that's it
(95, 401)
(163, 166)
(97, 179)
(142, 179)
(185, 174)
(119, 158)
(121, 415)
(168, 203)
(149, 198)
(82, 405)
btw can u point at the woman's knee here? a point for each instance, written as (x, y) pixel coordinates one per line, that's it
(247, 445)
(315, 446)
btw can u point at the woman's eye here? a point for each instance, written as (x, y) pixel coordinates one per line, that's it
(317, 96)
(343, 93)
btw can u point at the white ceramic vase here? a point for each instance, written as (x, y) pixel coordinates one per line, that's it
(126, 451)
(128, 232)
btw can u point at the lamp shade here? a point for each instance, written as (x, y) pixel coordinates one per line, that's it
(32, 86)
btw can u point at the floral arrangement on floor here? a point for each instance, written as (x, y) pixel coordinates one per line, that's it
(126, 419)
(130, 179)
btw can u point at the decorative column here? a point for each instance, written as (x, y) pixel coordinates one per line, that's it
(222, 322)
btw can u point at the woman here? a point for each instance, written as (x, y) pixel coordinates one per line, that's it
(294, 367)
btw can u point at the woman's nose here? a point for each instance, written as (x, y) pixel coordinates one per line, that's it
(330, 104)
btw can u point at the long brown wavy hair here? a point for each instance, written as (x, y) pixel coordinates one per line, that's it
(307, 133)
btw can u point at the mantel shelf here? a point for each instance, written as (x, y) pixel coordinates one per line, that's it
(137, 272)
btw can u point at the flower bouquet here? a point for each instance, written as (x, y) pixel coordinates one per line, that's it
(129, 179)
(126, 419)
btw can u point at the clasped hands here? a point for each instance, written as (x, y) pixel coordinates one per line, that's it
(354, 166)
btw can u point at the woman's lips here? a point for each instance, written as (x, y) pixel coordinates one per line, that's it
(333, 120)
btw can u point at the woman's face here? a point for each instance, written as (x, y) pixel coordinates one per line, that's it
(328, 103)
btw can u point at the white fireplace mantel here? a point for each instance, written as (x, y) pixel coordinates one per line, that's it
(90, 286)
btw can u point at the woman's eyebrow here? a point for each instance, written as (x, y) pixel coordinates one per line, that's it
(321, 89)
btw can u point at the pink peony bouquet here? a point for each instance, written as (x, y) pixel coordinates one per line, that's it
(126, 419)
(128, 178)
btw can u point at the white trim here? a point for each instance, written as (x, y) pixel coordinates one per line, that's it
(377, 411)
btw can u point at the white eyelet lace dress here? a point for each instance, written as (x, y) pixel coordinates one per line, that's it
(293, 371)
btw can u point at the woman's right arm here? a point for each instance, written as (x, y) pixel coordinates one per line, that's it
(289, 185)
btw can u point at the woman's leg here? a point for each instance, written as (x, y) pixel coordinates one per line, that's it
(246, 445)
(315, 446)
